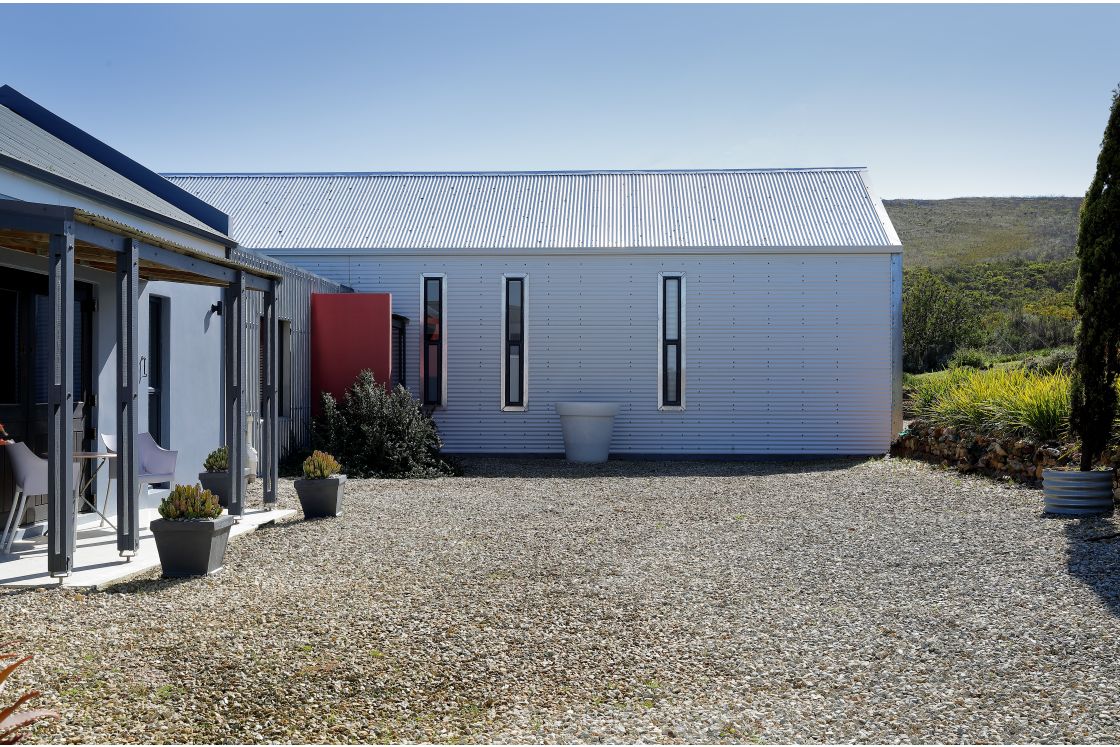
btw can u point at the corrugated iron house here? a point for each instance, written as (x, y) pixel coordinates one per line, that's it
(727, 311)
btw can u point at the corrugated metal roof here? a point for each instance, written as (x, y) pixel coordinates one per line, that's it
(29, 144)
(549, 210)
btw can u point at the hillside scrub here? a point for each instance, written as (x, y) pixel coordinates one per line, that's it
(1010, 261)
(970, 230)
(1010, 308)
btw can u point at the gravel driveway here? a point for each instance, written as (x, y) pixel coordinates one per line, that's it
(840, 600)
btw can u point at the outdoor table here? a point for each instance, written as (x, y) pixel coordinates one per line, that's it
(96, 460)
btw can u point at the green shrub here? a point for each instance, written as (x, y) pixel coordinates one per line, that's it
(1059, 359)
(186, 502)
(970, 358)
(320, 465)
(927, 389)
(1018, 331)
(379, 433)
(217, 460)
(936, 320)
(1001, 402)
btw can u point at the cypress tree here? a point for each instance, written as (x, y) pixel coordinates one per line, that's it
(1097, 299)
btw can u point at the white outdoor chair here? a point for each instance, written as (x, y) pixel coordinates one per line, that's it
(154, 464)
(31, 476)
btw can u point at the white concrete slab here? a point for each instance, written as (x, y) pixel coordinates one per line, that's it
(96, 562)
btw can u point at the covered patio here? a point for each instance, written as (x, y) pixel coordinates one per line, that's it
(69, 237)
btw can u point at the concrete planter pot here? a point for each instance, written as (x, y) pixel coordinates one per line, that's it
(218, 484)
(196, 547)
(1077, 493)
(320, 498)
(587, 429)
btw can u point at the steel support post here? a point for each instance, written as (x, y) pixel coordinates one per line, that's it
(128, 374)
(270, 410)
(61, 511)
(234, 344)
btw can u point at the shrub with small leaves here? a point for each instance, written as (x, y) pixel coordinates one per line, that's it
(320, 465)
(379, 432)
(970, 358)
(217, 460)
(187, 502)
(14, 722)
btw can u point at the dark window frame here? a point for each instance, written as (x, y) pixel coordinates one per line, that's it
(428, 378)
(508, 345)
(284, 368)
(400, 327)
(158, 368)
(672, 396)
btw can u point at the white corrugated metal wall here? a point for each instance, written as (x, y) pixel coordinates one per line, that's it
(787, 353)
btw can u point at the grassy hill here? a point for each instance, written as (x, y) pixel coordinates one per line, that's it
(1008, 261)
(961, 231)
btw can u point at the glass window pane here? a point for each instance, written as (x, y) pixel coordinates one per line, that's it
(513, 310)
(672, 310)
(431, 374)
(433, 320)
(513, 376)
(9, 347)
(78, 383)
(672, 375)
(41, 363)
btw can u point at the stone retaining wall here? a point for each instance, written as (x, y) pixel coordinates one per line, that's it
(1021, 460)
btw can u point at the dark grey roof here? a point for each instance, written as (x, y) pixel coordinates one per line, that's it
(27, 147)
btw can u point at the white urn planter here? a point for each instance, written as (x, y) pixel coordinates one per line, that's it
(587, 429)
(1077, 493)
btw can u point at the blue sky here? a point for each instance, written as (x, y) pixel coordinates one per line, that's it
(938, 101)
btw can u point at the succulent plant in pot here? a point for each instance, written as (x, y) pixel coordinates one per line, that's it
(216, 477)
(192, 535)
(320, 489)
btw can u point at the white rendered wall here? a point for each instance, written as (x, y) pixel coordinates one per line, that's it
(785, 353)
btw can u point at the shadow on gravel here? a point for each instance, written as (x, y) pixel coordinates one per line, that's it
(558, 467)
(1094, 557)
(148, 585)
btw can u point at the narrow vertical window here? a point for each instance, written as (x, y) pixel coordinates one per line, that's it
(284, 372)
(672, 341)
(157, 363)
(432, 360)
(514, 343)
(400, 356)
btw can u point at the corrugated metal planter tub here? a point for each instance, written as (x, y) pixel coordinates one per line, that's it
(1077, 493)
(322, 497)
(587, 429)
(192, 548)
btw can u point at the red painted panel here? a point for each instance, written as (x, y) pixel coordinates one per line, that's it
(349, 332)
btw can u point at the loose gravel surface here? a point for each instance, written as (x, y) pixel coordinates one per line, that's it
(531, 600)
